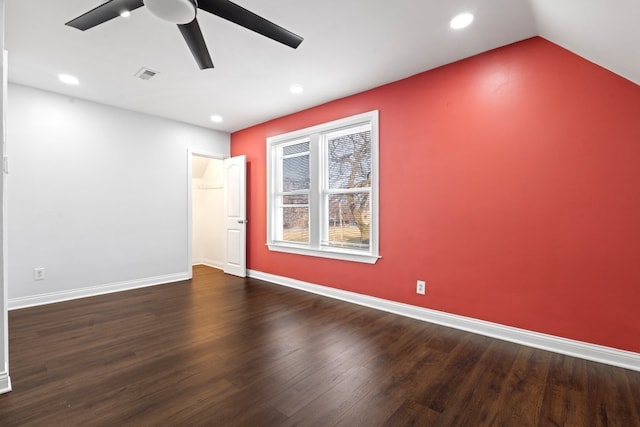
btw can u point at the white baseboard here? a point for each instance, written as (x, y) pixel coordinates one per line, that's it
(593, 352)
(209, 263)
(41, 299)
(5, 383)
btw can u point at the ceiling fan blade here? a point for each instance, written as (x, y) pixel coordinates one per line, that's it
(241, 16)
(103, 13)
(193, 36)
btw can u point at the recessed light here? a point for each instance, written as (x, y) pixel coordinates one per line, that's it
(125, 14)
(216, 119)
(68, 79)
(461, 21)
(296, 89)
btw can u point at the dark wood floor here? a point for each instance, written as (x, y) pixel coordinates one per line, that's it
(220, 350)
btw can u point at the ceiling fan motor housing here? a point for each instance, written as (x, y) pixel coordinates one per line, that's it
(176, 11)
(183, 13)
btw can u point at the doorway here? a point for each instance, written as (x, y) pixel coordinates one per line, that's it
(207, 211)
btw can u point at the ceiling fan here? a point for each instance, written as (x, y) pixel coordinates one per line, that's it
(183, 13)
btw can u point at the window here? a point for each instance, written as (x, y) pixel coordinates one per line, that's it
(322, 190)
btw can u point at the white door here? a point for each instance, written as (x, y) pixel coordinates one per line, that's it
(235, 205)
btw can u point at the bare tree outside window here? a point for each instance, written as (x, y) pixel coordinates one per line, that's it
(349, 189)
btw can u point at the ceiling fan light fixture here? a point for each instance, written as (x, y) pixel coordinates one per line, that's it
(177, 11)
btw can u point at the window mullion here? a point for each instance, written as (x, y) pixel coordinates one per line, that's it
(315, 192)
(354, 190)
(275, 199)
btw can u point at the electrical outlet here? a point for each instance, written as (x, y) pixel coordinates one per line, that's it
(421, 287)
(38, 273)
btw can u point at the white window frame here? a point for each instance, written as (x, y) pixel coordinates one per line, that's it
(317, 167)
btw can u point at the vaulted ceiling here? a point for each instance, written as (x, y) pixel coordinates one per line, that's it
(348, 47)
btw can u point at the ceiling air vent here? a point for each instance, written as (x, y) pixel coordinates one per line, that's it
(145, 73)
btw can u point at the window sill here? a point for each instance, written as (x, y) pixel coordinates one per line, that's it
(333, 253)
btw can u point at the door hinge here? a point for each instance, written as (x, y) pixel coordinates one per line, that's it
(5, 164)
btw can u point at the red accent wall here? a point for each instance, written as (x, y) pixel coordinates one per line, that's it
(510, 182)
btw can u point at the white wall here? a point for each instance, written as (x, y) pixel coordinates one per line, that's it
(97, 196)
(197, 216)
(208, 215)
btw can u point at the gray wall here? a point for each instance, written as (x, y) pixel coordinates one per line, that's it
(97, 196)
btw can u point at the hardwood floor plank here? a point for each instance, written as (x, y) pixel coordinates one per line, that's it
(609, 399)
(440, 390)
(221, 350)
(374, 409)
(476, 400)
(327, 407)
(412, 413)
(524, 389)
(565, 398)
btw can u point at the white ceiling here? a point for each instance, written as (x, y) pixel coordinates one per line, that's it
(350, 46)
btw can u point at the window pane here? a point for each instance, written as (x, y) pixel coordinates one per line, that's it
(302, 147)
(295, 173)
(349, 220)
(295, 224)
(349, 158)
